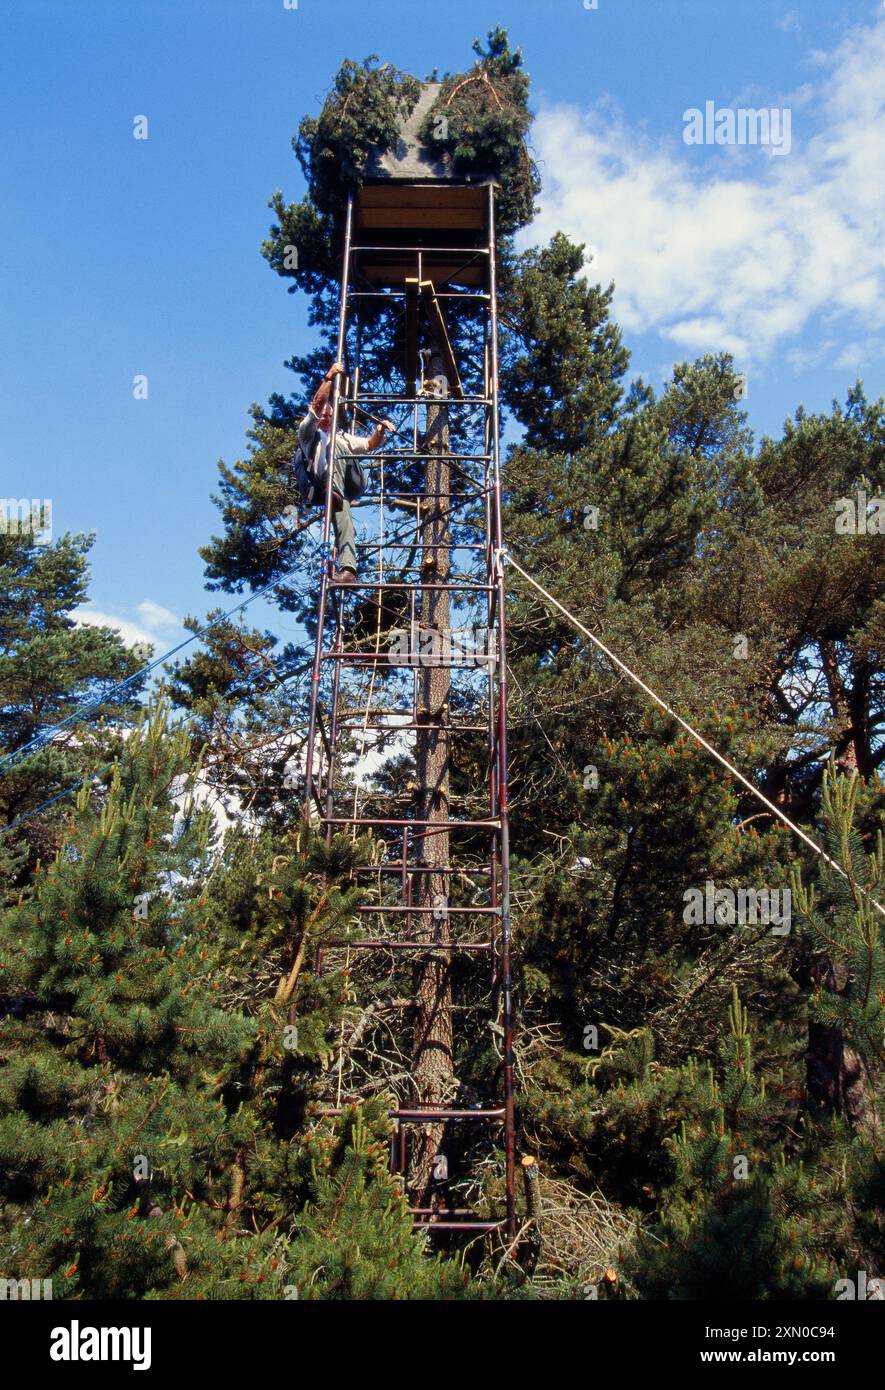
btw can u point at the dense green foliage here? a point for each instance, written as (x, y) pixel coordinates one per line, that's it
(480, 120)
(161, 1033)
(365, 108)
(49, 666)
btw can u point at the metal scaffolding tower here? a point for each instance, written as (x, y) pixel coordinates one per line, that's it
(410, 670)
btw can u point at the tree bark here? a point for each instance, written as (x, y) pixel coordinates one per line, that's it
(850, 708)
(432, 1064)
(837, 1078)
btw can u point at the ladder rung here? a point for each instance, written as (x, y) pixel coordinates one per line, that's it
(346, 714)
(458, 1225)
(463, 577)
(425, 496)
(401, 907)
(493, 824)
(399, 869)
(398, 728)
(415, 545)
(381, 945)
(422, 455)
(390, 398)
(423, 1115)
(441, 1211)
(427, 252)
(419, 1117)
(479, 295)
(471, 588)
(477, 663)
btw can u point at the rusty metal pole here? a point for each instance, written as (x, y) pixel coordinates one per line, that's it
(333, 726)
(327, 525)
(503, 807)
(490, 669)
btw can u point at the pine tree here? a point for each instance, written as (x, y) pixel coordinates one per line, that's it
(354, 1238)
(845, 962)
(110, 1123)
(735, 1201)
(562, 355)
(49, 666)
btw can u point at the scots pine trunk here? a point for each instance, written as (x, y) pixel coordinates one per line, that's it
(432, 1061)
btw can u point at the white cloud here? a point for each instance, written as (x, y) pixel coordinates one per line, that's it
(851, 356)
(724, 248)
(155, 616)
(130, 632)
(155, 620)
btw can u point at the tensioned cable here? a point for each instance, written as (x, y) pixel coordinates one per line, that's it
(505, 555)
(27, 816)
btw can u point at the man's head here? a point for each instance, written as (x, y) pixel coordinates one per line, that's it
(325, 417)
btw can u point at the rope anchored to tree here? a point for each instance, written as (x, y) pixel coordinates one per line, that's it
(503, 554)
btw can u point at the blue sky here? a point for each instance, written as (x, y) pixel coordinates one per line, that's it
(125, 257)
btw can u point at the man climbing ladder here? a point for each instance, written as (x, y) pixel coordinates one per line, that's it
(348, 482)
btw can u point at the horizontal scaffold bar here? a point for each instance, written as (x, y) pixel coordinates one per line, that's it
(372, 501)
(391, 398)
(414, 728)
(441, 1211)
(476, 296)
(450, 911)
(422, 456)
(422, 1116)
(427, 252)
(418, 662)
(419, 545)
(438, 825)
(395, 868)
(379, 944)
(411, 588)
(432, 1225)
